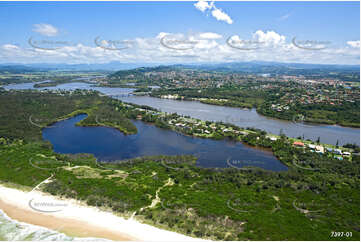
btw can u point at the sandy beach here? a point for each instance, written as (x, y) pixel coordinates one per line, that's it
(76, 220)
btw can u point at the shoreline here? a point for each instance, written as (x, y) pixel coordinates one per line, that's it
(77, 220)
(259, 113)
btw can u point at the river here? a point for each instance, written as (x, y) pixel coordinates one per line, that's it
(240, 117)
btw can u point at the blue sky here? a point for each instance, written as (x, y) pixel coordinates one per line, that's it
(274, 24)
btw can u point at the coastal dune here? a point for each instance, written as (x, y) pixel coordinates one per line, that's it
(77, 220)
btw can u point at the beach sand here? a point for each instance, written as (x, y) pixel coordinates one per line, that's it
(77, 220)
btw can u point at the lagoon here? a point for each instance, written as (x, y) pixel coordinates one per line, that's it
(109, 144)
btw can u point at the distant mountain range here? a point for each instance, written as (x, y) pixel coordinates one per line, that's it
(267, 67)
(314, 71)
(238, 67)
(110, 66)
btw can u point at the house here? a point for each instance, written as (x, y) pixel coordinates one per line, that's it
(298, 143)
(272, 138)
(320, 149)
(329, 149)
(311, 146)
(346, 153)
(337, 151)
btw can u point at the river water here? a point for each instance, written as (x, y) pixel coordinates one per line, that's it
(152, 141)
(240, 117)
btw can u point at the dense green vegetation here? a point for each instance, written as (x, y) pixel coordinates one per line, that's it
(347, 114)
(285, 101)
(226, 96)
(33, 110)
(213, 203)
(318, 194)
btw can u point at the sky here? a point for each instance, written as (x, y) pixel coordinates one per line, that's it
(179, 32)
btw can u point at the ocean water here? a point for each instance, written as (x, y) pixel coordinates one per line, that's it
(12, 230)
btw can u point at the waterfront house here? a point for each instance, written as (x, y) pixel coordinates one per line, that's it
(329, 149)
(298, 144)
(320, 149)
(311, 146)
(338, 151)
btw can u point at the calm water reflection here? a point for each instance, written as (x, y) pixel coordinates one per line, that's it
(250, 118)
(242, 118)
(109, 144)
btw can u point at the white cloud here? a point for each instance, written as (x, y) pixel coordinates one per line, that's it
(45, 29)
(161, 35)
(269, 37)
(203, 5)
(221, 16)
(205, 47)
(217, 13)
(354, 44)
(210, 35)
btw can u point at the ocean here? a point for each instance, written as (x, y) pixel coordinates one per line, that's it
(12, 230)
